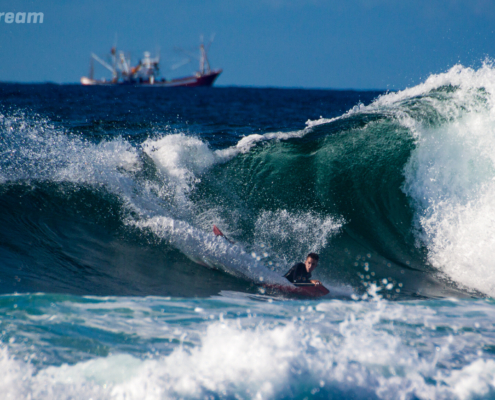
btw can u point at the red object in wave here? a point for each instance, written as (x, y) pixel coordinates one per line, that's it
(301, 290)
(217, 231)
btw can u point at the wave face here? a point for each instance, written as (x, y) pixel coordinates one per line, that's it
(397, 191)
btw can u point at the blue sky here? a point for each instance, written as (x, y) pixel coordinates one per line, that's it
(360, 44)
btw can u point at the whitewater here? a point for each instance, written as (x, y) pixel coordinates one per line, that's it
(113, 285)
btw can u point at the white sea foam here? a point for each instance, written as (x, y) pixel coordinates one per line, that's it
(321, 121)
(331, 349)
(35, 149)
(465, 78)
(248, 142)
(180, 158)
(450, 175)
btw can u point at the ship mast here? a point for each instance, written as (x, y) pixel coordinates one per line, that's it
(203, 60)
(204, 64)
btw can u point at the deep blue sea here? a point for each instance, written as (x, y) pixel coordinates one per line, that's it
(113, 285)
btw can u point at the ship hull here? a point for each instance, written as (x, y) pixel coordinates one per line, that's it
(189, 81)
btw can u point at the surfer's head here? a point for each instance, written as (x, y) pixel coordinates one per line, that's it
(311, 262)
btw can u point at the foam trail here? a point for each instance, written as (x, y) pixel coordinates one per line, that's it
(209, 250)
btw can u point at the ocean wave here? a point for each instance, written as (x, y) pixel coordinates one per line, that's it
(398, 189)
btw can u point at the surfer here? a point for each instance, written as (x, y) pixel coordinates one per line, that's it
(301, 272)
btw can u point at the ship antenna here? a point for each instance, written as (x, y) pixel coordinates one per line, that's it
(204, 63)
(91, 68)
(201, 56)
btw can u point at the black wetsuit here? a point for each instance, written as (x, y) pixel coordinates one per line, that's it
(298, 274)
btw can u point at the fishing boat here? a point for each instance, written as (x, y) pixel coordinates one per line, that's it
(147, 71)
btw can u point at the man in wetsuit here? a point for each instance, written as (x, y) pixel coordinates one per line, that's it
(301, 272)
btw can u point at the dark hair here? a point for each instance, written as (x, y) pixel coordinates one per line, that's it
(314, 256)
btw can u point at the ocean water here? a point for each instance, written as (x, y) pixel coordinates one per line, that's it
(113, 285)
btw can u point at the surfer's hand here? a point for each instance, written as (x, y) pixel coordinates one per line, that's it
(315, 282)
